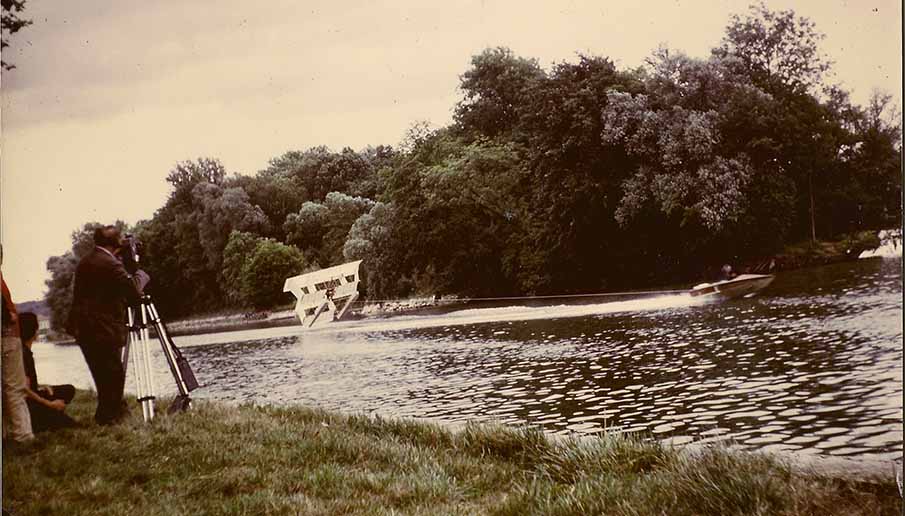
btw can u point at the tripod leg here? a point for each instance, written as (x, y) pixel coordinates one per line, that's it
(169, 351)
(148, 402)
(124, 355)
(137, 369)
(182, 372)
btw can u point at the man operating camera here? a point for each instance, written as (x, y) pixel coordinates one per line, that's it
(103, 287)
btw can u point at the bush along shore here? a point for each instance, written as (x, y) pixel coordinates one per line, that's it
(225, 459)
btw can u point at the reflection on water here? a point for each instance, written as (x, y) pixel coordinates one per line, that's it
(814, 363)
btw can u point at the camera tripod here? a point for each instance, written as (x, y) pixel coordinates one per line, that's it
(140, 318)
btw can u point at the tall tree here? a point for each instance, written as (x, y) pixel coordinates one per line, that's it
(493, 89)
(776, 46)
(221, 211)
(174, 254)
(265, 270)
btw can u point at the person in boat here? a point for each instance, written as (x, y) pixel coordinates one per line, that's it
(726, 273)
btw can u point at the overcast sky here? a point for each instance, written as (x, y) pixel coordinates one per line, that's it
(108, 95)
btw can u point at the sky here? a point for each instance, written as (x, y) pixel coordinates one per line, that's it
(109, 95)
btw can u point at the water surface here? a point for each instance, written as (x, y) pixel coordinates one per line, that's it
(812, 364)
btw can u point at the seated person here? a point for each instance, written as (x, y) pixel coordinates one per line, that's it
(45, 404)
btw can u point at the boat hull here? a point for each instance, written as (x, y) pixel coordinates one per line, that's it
(741, 286)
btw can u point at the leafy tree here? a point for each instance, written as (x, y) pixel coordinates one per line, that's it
(493, 90)
(266, 270)
(864, 188)
(573, 180)
(451, 202)
(680, 168)
(320, 230)
(59, 288)
(239, 250)
(275, 194)
(187, 174)
(318, 171)
(307, 228)
(174, 254)
(12, 23)
(375, 238)
(221, 212)
(342, 211)
(776, 47)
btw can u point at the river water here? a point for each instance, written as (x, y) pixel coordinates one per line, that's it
(812, 364)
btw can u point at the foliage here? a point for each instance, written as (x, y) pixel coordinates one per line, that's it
(320, 230)
(221, 212)
(493, 90)
(12, 22)
(255, 268)
(374, 239)
(265, 271)
(776, 46)
(239, 249)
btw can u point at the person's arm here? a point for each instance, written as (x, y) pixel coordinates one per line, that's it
(128, 284)
(9, 308)
(37, 398)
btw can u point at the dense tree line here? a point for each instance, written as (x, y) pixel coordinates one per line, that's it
(579, 178)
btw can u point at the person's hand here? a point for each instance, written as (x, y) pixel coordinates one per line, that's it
(143, 278)
(57, 405)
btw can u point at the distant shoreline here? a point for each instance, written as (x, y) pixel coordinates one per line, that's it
(799, 256)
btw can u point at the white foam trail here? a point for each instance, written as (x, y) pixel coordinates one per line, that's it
(459, 318)
(511, 313)
(890, 248)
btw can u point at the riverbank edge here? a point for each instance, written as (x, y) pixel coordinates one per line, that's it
(797, 256)
(256, 459)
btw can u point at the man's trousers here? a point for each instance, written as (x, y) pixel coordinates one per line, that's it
(16, 420)
(104, 362)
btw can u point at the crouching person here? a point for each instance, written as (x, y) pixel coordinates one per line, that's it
(46, 404)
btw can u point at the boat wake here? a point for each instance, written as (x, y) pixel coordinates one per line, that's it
(891, 246)
(458, 318)
(510, 313)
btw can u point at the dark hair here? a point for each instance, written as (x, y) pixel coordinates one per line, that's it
(28, 326)
(106, 236)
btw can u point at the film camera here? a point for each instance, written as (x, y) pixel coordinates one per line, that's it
(129, 252)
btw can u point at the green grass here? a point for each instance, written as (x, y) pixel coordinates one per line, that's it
(222, 459)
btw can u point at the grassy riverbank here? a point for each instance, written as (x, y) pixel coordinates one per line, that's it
(221, 459)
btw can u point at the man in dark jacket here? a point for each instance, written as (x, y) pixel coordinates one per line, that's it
(100, 295)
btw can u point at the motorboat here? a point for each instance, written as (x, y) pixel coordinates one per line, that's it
(325, 295)
(743, 285)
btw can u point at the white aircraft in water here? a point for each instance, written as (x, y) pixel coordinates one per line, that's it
(324, 296)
